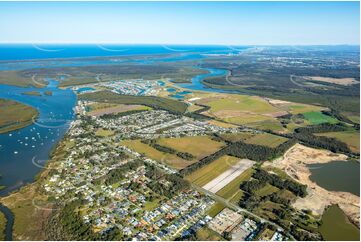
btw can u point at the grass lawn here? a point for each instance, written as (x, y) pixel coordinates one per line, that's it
(215, 209)
(199, 146)
(241, 102)
(266, 139)
(237, 136)
(15, 115)
(206, 234)
(246, 118)
(295, 109)
(151, 205)
(350, 137)
(98, 109)
(266, 190)
(269, 124)
(319, 118)
(236, 197)
(104, 133)
(154, 154)
(207, 173)
(2, 226)
(231, 188)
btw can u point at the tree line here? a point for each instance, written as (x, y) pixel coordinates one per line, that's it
(242, 150)
(153, 143)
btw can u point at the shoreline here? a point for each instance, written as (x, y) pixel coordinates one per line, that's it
(294, 162)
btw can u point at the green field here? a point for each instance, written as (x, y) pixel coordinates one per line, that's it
(104, 133)
(198, 146)
(215, 209)
(206, 234)
(170, 105)
(207, 173)
(319, 118)
(232, 188)
(266, 139)
(15, 115)
(296, 109)
(270, 124)
(266, 190)
(154, 154)
(241, 102)
(234, 137)
(350, 137)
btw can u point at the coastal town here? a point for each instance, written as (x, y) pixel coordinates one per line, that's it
(119, 187)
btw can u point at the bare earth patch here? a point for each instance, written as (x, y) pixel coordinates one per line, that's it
(226, 177)
(294, 163)
(339, 81)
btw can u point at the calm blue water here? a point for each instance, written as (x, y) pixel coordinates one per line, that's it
(199, 86)
(180, 95)
(84, 89)
(41, 51)
(18, 148)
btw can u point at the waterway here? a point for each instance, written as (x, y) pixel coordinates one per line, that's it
(197, 85)
(23, 152)
(337, 176)
(336, 226)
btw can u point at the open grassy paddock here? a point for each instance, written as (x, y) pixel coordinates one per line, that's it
(104, 133)
(154, 154)
(198, 146)
(232, 188)
(207, 173)
(266, 139)
(319, 118)
(234, 137)
(98, 109)
(350, 137)
(215, 209)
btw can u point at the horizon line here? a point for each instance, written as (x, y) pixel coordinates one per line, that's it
(178, 44)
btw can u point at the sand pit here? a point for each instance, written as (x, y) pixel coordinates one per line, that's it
(294, 163)
(226, 177)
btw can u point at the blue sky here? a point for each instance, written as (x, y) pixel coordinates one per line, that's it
(232, 23)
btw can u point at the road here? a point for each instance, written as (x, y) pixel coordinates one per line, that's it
(237, 208)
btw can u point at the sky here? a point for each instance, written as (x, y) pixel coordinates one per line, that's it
(232, 23)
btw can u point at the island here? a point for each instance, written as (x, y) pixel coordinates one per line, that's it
(32, 93)
(15, 115)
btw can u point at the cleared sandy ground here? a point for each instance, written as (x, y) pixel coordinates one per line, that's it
(339, 81)
(226, 177)
(294, 163)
